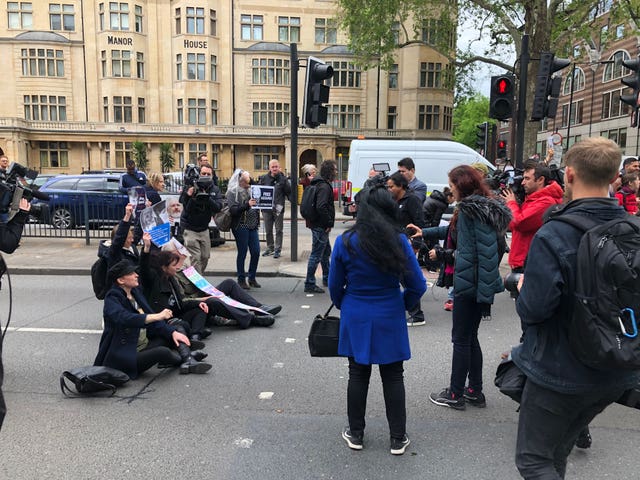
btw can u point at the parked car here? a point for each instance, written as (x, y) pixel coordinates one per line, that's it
(40, 180)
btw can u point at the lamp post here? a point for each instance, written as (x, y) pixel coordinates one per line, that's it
(594, 59)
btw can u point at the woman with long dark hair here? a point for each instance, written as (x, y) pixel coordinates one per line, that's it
(368, 264)
(471, 258)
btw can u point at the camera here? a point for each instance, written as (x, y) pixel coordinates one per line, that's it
(11, 190)
(191, 174)
(511, 282)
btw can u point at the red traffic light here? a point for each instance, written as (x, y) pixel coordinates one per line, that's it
(502, 144)
(503, 86)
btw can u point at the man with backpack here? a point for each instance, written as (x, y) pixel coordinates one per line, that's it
(571, 377)
(319, 212)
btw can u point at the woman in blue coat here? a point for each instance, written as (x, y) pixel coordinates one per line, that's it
(368, 264)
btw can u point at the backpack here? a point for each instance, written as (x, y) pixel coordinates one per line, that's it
(603, 330)
(308, 203)
(99, 271)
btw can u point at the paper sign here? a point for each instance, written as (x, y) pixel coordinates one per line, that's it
(263, 194)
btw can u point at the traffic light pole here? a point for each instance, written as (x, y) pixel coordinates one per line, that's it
(522, 103)
(295, 67)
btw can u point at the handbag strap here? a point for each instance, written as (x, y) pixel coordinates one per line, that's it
(71, 394)
(328, 311)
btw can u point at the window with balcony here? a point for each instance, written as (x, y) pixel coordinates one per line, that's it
(576, 114)
(611, 104)
(138, 18)
(195, 66)
(195, 20)
(54, 154)
(124, 153)
(118, 16)
(270, 114)
(429, 117)
(343, 116)
(269, 71)
(20, 15)
(289, 29)
(345, 74)
(197, 111)
(62, 17)
(251, 27)
(48, 108)
(326, 31)
(393, 76)
(121, 63)
(263, 155)
(616, 70)
(122, 109)
(430, 75)
(42, 62)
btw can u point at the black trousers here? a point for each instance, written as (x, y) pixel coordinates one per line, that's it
(549, 425)
(394, 397)
(158, 350)
(196, 318)
(231, 289)
(467, 354)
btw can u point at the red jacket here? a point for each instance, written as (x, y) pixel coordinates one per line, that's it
(527, 219)
(627, 198)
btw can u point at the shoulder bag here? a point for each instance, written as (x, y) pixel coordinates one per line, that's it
(91, 380)
(324, 334)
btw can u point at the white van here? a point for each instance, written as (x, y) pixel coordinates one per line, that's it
(433, 159)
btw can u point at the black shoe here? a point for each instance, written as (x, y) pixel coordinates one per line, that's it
(195, 338)
(446, 398)
(399, 445)
(584, 440)
(219, 321)
(193, 366)
(199, 355)
(355, 443)
(267, 252)
(477, 399)
(254, 283)
(314, 289)
(272, 309)
(206, 332)
(196, 345)
(276, 254)
(243, 284)
(263, 320)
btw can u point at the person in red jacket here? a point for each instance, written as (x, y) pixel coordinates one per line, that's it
(628, 190)
(540, 193)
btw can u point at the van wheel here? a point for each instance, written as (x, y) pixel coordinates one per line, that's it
(62, 218)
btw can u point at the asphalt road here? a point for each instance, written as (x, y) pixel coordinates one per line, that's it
(267, 410)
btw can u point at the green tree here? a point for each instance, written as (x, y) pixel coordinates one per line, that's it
(468, 114)
(167, 160)
(140, 155)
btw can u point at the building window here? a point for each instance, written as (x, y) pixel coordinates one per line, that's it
(214, 112)
(430, 75)
(124, 153)
(576, 114)
(180, 111)
(197, 111)
(195, 66)
(47, 108)
(142, 113)
(430, 31)
(41, 62)
(119, 16)
(393, 76)
(107, 154)
(179, 66)
(392, 117)
(20, 14)
(576, 51)
(616, 70)
(178, 22)
(345, 74)
(618, 135)
(579, 84)
(214, 156)
(619, 35)
(611, 105)
(195, 150)
(103, 63)
(263, 155)
(122, 110)
(289, 29)
(447, 119)
(429, 117)
(179, 148)
(343, 116)
(140, 64)
(101, 16)
(270, 71)
(270, 114)
(138, 12)
(395, 31)
(214, 68)
(251, 27)
(195, 20)
(105, 108)
(212, 23)
(54, 154)
(121, 63)
(326, 30)
(62, 17)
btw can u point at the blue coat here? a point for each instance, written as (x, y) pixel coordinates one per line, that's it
(122, 324)
(373, 327)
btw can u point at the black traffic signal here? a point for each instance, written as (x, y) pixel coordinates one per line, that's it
(502, 97)
(545, 100)
(502, 149)
(315, 93)
(632, 81)
(482, 136)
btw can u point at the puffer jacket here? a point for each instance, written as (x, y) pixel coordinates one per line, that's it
(433, 208)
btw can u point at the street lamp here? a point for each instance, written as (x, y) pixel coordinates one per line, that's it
(594, 62)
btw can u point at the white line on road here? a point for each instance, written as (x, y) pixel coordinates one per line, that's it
(54, 330)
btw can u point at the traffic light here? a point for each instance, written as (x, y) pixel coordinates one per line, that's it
(545, 100)
(315, 93)
(502, 149)
(482, 138)
(502, 97)
(632, 81)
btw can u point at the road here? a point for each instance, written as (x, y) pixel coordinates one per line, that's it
(267, 410)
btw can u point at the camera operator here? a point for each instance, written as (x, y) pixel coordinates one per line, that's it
(201, 201)
(540, 193)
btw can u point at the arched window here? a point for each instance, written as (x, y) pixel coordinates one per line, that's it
(616, 70)
(578, 76)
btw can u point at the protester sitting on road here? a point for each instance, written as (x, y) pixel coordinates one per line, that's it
(368, 264)
(134, 339)
(121, 246)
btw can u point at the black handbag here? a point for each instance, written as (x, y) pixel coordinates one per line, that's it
(324, 334)
(510, 379)
(92, 379)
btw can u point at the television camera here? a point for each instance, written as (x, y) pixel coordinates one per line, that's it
(12, 189)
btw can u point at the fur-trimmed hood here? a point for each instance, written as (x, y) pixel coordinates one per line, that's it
(486, 210)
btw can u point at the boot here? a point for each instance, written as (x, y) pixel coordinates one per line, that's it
(263, 320)
(199, 355)
(190, 364)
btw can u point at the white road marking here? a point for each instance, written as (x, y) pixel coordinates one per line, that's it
(54, 330)
(244, 442)
(265, 395)
(289, 340)
(305, 306)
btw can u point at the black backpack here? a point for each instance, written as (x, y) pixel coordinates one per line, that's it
(308, 203)
(99, 271)
(603, 330)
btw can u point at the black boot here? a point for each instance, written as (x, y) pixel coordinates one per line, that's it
(190, 364)
(199, 355)
(262, 320)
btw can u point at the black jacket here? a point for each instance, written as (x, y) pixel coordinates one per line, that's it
(11, 232)
(114, 251)
(324, 204)
(196, 212)
(433, 208)
(282, 187)
(410, 211)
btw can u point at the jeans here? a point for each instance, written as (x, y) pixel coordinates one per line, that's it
(549, 425)
(467, 355)
(247, 240)
(320, 254)
(272, 219)
(394, 397)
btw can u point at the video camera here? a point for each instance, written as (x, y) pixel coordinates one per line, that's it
(191, 174)
(510, 179)
(11, 190)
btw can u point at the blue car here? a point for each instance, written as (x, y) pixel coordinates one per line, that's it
(82, 199)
